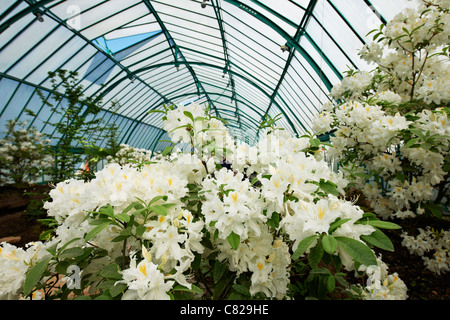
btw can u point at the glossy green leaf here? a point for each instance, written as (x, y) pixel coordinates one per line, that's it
(303, 246)
(234, 240)
(357, 250)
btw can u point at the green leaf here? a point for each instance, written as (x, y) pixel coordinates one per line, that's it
(169, 205)
(166, 151)
(329, 187)
(91, 234)
(107, 284)
(140, 229)
(381, 224)
(336, 224)
(219, 270)
(331, 283)
(68, 243)
(136, 205)
(157, 198)
(411, 142)
(303, 246)
(329, 244)
(315, 255)
(189, 115)
(159, 209)
(117, 289)
(107, 210)
(357, 250)
(155, 111)
(71, 253)
(314, 142)
(122, 217)
(234, 240)
(241, 289)
(379, 239)
(435, 209)
(111, 272)
(120, 238)
(62, 266)
(274, 221)
(83, 298)
(193, 289)
(34, 275)
(98, 221)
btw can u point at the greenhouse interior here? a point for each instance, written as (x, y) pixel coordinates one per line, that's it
(224, 150)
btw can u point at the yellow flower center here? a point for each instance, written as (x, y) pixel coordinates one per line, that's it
(234, 196)
(321, 212)
(260, 266)
(276, 183)
(143, 269)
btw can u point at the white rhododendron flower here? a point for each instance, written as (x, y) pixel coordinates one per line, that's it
(390, 127)
(246, 206)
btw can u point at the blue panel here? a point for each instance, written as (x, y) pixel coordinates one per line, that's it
(99, 69)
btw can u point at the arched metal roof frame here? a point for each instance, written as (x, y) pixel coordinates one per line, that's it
(296, 93)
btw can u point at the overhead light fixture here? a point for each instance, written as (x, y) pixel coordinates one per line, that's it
(39, 15)
(204, 4)
(285, 48)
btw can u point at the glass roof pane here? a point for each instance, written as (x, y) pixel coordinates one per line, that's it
(235, 62)
(287, 9)
(23, 42)
(62, 53)
(388, 9)
(111, 22)
(359, 15)
(338, 31)
(274, 13)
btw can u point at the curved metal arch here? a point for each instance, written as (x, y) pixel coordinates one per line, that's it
(145, 113)
(112, 86)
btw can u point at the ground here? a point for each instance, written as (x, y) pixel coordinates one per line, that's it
(18, 222)
(422, 283)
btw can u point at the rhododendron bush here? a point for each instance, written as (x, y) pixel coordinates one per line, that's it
(23, 155)
(390, 127)
(226, 220)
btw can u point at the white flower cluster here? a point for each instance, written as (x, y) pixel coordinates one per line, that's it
(22, 156)
(14, 264)
(127, 153)
(374, 134)
(381, 285)
(430, 241)
(352, 87)
(192, 124)
(412, 63)
(390, 127)
(254, 211)
(381, 111)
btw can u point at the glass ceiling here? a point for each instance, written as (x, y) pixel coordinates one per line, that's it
(247, 59)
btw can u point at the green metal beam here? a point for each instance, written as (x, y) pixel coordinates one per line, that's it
(173, 46)
(374, 10)
(289, 40)
(113, 85)
(33, 8)
(346, 21)
(227, 66)
(48, 90)
(300, 31)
